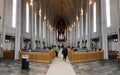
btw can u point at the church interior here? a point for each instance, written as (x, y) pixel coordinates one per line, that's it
(60, 37)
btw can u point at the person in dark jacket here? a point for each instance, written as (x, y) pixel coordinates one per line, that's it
(65, 52)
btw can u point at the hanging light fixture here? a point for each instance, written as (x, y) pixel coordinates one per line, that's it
(40, 12)
(70, 29)
(44, 17)
(77, 18)
(90, 2)
(74, 24)
(81, 11)
(31, 2)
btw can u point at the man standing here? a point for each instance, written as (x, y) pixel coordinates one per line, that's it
(65, 52)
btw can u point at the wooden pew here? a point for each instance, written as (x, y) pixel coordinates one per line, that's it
(84, 56)
(8, 54)
(39, 56)
(112, 53)
(118, 58)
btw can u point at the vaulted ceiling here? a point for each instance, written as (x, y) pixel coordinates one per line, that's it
(66, 10)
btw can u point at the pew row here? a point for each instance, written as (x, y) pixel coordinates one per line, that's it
(8, 54)
(39, 56)
(84, 56)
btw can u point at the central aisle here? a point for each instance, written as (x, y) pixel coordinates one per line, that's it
(60, 67)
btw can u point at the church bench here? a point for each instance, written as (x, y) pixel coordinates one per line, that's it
(8, 54)
(84, 56)
(39, 56)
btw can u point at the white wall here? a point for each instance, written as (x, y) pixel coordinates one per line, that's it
(10, 45)
(25, 35)
(8, 18)
(98, 21)
(114, 14)
(113, 45)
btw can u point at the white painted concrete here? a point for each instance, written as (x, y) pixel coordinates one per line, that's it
(60, 67)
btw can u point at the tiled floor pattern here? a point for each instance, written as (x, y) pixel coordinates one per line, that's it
(11, 67)
(103, 67)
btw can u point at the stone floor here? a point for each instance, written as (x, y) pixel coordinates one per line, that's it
(102, 67)
(11, 67)
(60, 66)
(109, 67)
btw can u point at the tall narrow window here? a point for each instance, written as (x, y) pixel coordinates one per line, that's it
(94, 18)
(108, 13)
(14, 13)
(27, 17)
(35, 24)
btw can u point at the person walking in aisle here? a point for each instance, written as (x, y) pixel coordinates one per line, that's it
(65, 52)
(56, 50)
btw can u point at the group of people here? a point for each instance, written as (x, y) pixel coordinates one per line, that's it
(64, 51)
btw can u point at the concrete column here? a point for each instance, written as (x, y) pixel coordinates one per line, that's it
(104, 29)
(51, 38)
(33, 27)
(41, 38)
(50, 33)
(71, 34)
(2, 45)
(40, 31)
(18, 29)
(81, 30)
(119, 38)
(76, 35)
(119, 25)
(72, 37)
(77, 24)
(45, 33)
(54, 34)
(67, 36)
(88, 26)
(37, 34)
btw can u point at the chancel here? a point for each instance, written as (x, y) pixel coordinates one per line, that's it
(59, 37)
